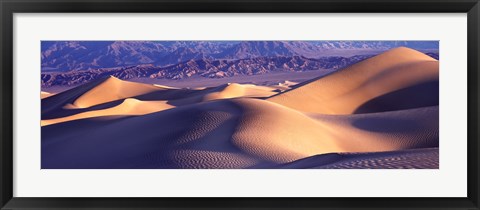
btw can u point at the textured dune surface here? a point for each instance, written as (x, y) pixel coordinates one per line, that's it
(380, 113)
(414, 158)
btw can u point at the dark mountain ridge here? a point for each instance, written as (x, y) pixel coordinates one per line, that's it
(207, 68)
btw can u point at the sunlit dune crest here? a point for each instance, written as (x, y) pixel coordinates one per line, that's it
(379, 113)
(234, 90)
(44, 94)
(164, 86)
(113, 89)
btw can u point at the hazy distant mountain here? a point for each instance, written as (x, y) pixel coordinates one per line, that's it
(205, 68)
(418, 45)
(64, 56)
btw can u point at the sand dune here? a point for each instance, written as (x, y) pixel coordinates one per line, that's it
(95, 93)
(113, 89)
(129, 106)
(379, 113)
(247, 132)
(174, 138)
(89, 99)
(281, 134)
(401, 78)
(234, 90)
(227, 91)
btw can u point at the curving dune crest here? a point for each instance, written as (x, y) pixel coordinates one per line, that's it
(226, 91)
(235, 90)
(112, 89)
(281, 134)
(401, 78)
(104, 95)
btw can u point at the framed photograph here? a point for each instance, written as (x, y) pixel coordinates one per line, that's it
(239, 104)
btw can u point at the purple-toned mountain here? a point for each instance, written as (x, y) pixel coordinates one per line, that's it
(252, 49)
(62, 56)
(84, 55)
(203, 67)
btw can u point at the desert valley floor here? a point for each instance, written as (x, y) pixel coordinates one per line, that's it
(380, 113)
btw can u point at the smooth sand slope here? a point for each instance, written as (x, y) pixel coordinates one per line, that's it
(401, 78)
(337, 121)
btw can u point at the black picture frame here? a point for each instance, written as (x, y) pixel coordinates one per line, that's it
(9, 7)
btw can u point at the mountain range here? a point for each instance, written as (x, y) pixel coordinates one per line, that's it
(204, 68)
(61, 56)
(69, 63)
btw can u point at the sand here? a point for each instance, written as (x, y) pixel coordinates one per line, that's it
(45, 94)
(112, 89)
(379, 113)
(402, 159)
(129, 106)
(397, 79)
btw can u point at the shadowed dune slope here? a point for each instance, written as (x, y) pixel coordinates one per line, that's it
(403, 159)
(231, 133)
(57, 101)
(401, 78)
